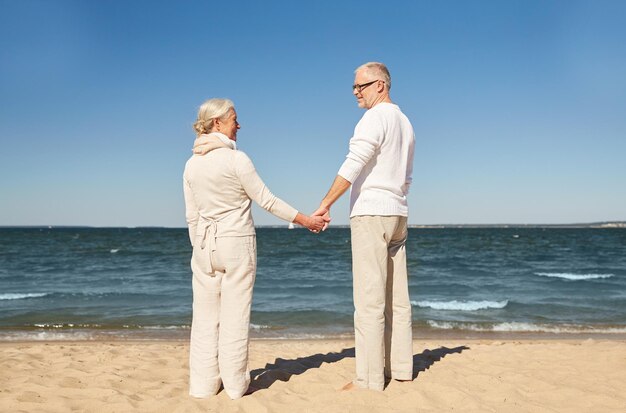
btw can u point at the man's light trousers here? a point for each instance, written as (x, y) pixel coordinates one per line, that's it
(382, 316)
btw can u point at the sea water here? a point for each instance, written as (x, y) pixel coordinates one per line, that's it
(86, 283)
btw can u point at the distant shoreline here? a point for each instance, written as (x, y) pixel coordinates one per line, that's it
(608, 224)
(602, 224)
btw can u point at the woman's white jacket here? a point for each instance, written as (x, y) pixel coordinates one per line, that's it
(219, 184)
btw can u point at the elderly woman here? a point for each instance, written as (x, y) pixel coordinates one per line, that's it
(219, 184)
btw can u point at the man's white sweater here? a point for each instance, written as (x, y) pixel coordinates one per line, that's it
(380, 162)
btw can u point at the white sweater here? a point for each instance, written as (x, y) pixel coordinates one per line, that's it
(380, 162)
(219, 184)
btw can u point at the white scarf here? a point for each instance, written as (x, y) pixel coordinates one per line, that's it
(225, 139)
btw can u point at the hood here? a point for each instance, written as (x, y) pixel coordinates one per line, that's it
(206, 143)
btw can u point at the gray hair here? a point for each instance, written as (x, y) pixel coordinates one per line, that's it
(209, 111)
(376, 69)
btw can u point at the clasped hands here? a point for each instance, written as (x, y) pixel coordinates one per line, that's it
(319, 220)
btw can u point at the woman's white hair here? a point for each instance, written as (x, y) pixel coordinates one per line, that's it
(376, 69)
(209, 111)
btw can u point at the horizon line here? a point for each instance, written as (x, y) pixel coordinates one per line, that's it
(617, 223)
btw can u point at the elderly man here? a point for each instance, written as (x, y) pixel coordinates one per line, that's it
(378, 167)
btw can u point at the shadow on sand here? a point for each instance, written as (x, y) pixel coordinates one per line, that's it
(423, 361)
(283, 369)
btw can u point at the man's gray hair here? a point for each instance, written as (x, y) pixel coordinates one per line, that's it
(377, 69)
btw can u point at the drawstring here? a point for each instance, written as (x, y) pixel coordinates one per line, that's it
(210, 230)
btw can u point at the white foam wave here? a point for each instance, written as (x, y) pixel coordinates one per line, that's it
(306, 336)
(573, 277)
(113, 251)
(160, 327)
(65, 325)
(45, 336)
(460, 305)
(20, 296)
(99, 326)
(515, 327)
(257, 327)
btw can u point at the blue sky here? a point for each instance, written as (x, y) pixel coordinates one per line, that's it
(519, 107)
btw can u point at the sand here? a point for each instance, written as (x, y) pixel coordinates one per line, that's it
(457, 375)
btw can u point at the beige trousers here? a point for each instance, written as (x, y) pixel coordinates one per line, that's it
(382, 316)
(223, 277)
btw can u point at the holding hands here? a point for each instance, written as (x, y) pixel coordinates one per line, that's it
(323, 212)
(319, 220)
(313, 223)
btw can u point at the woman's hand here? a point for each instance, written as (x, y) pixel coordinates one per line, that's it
(314, 224)
(324, 212)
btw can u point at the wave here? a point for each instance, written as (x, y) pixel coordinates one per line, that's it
(573, 277)
(295, 286)
(21, 296)
(46, 336)
(58, 294)
(88, 332)
(461, 305)
(97, 326)
(307, 336)
(66, 325)
(517, 327)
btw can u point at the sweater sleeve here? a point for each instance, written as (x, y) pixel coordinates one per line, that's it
(258, 192)
(409, 170)
(192, 214)
(368, 135)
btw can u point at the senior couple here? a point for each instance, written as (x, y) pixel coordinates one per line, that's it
(219, 184)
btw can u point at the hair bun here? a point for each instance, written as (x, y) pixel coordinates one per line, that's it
(199, 127)
(209, 111)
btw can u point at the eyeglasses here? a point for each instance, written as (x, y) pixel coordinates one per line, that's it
(362, 86)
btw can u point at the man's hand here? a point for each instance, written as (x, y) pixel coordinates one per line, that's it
(323, 212)
(314, 223)
(339, 186)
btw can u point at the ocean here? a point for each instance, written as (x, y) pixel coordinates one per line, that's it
(135, 283)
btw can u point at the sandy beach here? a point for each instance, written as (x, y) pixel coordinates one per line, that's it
(473, 375)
